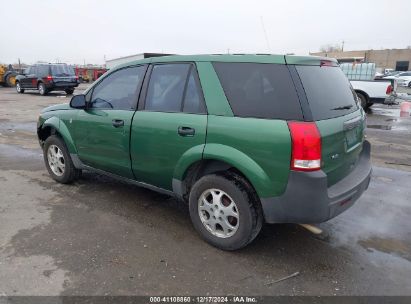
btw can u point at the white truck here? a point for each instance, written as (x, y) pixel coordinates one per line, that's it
(377, 91)
(368, 89)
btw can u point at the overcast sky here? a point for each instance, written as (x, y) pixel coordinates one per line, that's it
(79, 30)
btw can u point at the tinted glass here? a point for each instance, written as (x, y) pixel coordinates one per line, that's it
(259, 90)
(193, 99)
(119, 91)
(43, 70)
(328, 91)
(166, 87)
(62, 70)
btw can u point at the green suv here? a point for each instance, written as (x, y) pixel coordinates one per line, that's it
(243, 139)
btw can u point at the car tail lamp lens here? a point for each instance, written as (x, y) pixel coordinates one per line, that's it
(306, 146)
(327, 63)
(49, 78)
(389, 90)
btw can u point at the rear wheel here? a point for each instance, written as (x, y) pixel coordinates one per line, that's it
(42, 89)
(19, 89)
(409, 84)
(364, 101)
(58, 161)
(225, 211)
(69, 91)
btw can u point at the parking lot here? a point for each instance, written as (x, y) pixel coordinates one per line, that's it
(100, 236)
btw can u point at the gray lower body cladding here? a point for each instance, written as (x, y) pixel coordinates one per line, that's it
(308, 199)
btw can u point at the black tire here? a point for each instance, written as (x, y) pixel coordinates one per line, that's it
(8, 80)
(70, 173)
(364, 101)
(69, 91)
(247, 204)
(42, 89)
(409, 84)
(19, 89)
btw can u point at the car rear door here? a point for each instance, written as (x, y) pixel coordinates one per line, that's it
(341, 121)
(102, 131)
(171, 121)
(63, 75)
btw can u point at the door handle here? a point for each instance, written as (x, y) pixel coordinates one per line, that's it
(186, 131)
(117, 123)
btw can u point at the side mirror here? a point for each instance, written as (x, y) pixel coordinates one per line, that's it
(78, 101)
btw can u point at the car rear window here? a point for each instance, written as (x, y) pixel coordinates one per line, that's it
(62, 70)
(259, 90)
(328, 91)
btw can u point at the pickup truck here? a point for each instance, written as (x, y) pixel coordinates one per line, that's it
(369, 89)
(375, 91)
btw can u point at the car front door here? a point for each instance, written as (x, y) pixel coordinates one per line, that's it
(171, 120)
(102, 131)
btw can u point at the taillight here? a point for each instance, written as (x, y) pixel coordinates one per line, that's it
(306, 146)
(327, 63)
(49, 78)
(389, 90)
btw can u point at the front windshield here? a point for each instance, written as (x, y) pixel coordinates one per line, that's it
(62, 70)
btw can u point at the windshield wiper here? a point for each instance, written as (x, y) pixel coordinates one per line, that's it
(347, 107)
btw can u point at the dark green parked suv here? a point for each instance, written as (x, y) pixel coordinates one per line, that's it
(244, 139)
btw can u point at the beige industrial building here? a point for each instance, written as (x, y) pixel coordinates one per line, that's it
(397, 59)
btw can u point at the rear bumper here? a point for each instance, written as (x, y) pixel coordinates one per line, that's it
(61, 85)
(384, 100)
(307, 198)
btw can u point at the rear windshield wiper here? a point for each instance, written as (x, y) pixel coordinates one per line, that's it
(347, 107)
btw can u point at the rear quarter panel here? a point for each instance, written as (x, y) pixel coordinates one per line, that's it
(259, 148)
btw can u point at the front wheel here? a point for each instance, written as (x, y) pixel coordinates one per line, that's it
(58, 161)
(225, 211)
(19, 89)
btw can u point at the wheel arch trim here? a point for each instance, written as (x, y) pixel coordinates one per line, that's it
(236, 159)
(59, 125)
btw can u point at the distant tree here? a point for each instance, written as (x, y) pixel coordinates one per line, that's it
(329, 48)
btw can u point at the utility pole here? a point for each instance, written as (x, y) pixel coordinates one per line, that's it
(342, 46)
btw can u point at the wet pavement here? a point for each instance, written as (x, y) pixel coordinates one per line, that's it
(101, 236)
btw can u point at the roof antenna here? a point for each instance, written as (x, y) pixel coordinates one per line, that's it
(265, 34)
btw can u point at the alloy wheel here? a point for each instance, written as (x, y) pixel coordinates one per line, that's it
(218, 213)
(56, 160)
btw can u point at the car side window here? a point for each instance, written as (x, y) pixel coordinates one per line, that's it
(43, 70)
(193, 99)
(119, 90)
(174, 88)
